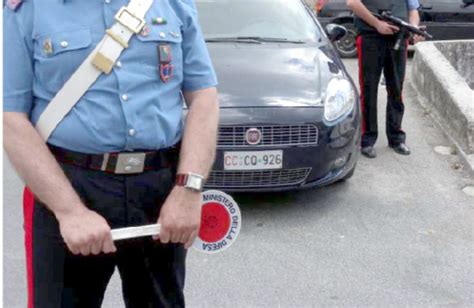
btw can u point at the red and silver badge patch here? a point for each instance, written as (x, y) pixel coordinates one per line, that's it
(220, 222)
(253, 136)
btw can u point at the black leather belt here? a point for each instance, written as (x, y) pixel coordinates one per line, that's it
(119, 162)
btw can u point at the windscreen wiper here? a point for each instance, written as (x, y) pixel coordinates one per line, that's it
(273, 39)
(254, 39)
(232, 40)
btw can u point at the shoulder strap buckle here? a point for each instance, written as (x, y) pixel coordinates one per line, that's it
(129, 20)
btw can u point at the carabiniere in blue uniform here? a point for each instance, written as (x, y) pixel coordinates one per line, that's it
(132, 108)
(138, 106)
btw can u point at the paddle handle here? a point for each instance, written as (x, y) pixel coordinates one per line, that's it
(132, 232)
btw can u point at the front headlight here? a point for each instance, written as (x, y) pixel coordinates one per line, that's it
(340, 99)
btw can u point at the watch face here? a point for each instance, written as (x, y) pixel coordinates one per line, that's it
(194, 182)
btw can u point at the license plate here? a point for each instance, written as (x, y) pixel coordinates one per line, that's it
(255, 160)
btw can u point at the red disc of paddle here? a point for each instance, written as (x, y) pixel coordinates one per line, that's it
(215, 222)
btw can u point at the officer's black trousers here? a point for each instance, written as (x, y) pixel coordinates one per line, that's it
(376, 54)
(152, 274)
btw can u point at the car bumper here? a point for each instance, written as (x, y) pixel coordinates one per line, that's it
(304, 166)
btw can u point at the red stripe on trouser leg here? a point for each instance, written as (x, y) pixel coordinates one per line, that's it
(361, 82)
(407, 43)
(28, 206)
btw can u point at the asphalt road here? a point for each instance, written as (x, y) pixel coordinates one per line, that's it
(399, 233)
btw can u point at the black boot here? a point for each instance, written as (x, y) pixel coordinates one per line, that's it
(368, 152)
(400, 148)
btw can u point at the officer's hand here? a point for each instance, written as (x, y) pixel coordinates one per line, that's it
(386, 28)
(180, 217)
(419, 38)
(86, 232)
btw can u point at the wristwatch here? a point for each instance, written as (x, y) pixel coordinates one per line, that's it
(189, 180)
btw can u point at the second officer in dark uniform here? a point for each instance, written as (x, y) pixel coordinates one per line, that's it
(375, 44)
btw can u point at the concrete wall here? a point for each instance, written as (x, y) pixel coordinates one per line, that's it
(445, 92)
(461, 56)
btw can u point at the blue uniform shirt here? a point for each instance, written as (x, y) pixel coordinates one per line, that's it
(413, 5)
(45, 41)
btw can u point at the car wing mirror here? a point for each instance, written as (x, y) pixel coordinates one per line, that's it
(335, 32)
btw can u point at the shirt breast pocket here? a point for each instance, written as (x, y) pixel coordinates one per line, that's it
(58, 55)
(161, 50)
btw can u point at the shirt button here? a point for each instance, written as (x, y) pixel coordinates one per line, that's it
(107, 1)
(119, 64)
(162, 34)
(64, 44)
(125, 97)
(131, 132)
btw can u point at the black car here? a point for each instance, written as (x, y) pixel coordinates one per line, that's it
(445, 20)
(289, 112)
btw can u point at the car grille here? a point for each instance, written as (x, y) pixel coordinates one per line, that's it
(272, 135)
(257, 178)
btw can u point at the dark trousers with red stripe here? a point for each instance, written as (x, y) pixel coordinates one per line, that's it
(376, 54)
(152, 274)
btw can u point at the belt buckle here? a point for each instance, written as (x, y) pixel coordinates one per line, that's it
(129, 20)
(129, 163)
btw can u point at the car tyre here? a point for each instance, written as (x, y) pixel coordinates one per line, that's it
(346, 46)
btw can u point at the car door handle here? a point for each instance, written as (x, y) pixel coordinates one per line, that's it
(427, 7)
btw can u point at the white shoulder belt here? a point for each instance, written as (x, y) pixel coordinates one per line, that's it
(130, 20)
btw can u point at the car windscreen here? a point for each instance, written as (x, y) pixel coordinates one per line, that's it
(277, 19)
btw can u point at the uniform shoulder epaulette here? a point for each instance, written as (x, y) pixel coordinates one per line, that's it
(14, 4)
